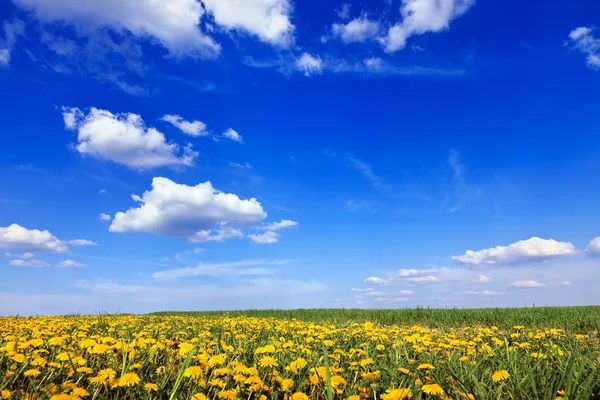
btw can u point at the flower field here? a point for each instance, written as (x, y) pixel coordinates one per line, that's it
(239, 357)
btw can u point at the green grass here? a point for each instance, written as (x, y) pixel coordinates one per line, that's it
(576, 319)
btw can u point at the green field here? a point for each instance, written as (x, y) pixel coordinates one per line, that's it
(583, 319)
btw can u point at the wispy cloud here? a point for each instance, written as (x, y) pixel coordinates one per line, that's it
(237, 268)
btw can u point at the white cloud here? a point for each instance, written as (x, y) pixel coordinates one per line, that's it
(593, 249)
(583, 40)
(102, 191)
(188, 212)
(70, 264)
(231, 134)
(482, 293)
(17, 237)
(562, 283)
(376, 293)
(194, 128)
(390, 299)
(28, 263)
(309, 64)
(215, 235)
(245, 165)
(268, 237)
(238, 268)
(4, 57)
(344, 11)
(12, 30)
(422, 16)
(483, 279)
(81, 242)
(105, 217)
(373, 280)
(275, 226)
(124, 139)
(267, 19)
(172, 23)
(358, 30)
(524, 251)
(424, 279)
(23, 256)
(527, 284)
(374, 63)
(416, 272)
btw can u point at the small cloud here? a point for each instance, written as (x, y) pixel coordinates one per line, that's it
(268, 237)
(81, 242)
(424, 279)
(344, 11)
(23, 256)
(373, 280)
(245, 165)
(193, 128)
(483, 279)
(105, 217)
(231, 134)
(28, 263)
(309, 64)
(482, 293)
(562, 283)
(583, 40)
(527, 284)
(70, 264)
(102, 191)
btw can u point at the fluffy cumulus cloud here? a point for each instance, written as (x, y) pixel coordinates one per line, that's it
(521, 252)
(70, 264)
(422, 16)
(17, 237)
(192, 128)
(174, 24)
(583, 39)
(269, 20)
(358, 30)
(28, 263)
(124, 139)
(231, 134)
(309, 64)
(527, 284)
(593, 249)
(271, 235)
(195, 213)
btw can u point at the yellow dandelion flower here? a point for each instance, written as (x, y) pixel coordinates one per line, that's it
(353, 397)
(425, 366)
(268, 361)
(129, 379)
(5, 394)
(396, 394)
(433, 389)
(151, 387)
(199, 396)
(80, 392)
(193, 372)
(500, 375)
(32, 372)
(299, 396)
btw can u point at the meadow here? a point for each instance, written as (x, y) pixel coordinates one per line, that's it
(534, 353)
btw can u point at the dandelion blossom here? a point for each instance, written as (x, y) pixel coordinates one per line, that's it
(433, 389)
(299, 396)
(268, 361)
(501, 375)
(129, 379)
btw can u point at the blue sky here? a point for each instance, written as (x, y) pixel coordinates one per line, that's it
(195, 155)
